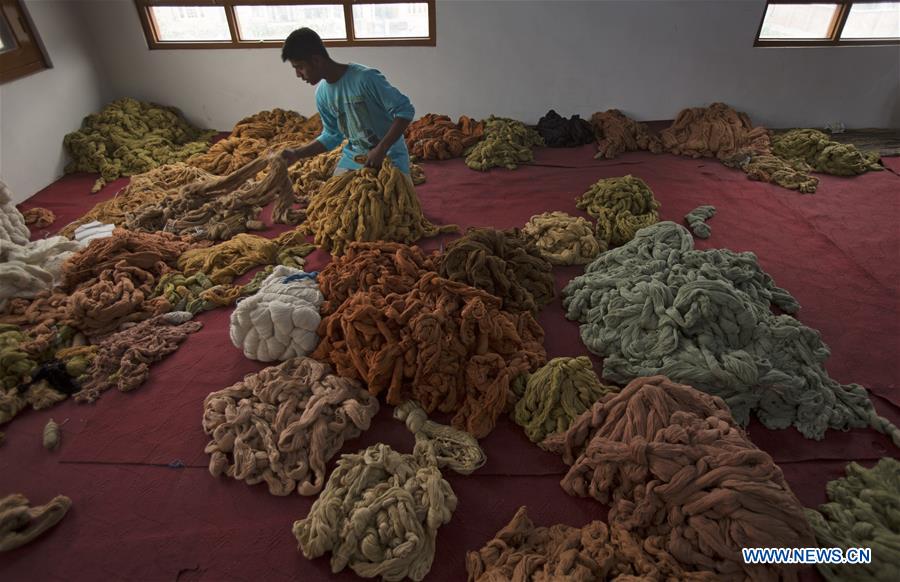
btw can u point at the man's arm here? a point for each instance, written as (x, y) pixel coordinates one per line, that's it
(398, 106)
(313, 148)
(395, 132)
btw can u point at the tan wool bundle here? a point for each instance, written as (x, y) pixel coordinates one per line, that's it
(563, 239)
(617, 133)
(683, 478)
(622, 206)
(502, 262)
(716, 131)
(38, 217)
(221, 207)
(281, 425)
(143, 190)
(368, 205)
(279, 322)
(20, 523)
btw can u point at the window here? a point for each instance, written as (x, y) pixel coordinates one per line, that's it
(20, 53)
(819, 23)
(266, 23)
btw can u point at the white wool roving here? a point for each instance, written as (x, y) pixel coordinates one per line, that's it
(12, 224)
(27, 268)
(279, 322)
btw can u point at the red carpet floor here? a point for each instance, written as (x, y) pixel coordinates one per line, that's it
(136, 518)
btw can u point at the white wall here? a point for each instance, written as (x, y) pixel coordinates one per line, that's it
(38, 110)
(520, 58)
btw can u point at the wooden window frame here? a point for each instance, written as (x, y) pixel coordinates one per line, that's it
(835, 30)
(153, 42)
(28, 56)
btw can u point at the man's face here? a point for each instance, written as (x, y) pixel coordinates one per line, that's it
(307, 70)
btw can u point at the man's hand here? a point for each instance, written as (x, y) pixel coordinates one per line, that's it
(375, 158)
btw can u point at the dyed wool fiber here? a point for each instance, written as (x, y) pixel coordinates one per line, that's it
(506, 143)
(696, 219)
(559, 132)
(437, 137)
(617, 133)
(622, 206)
(281, 425)
(815, 148)
(39, 217)
(717, 131)
(504, 263)
(21, 523)
(681, 476)
(563, 239)
(657, 306)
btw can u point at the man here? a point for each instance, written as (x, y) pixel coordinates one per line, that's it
(355, 103)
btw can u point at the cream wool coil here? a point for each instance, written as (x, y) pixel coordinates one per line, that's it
(279, 322)
(12, 224)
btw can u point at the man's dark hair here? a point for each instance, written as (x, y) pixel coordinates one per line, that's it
(302, 44)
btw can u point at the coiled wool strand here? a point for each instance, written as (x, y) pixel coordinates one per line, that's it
(823, 154)
(657, 306)
(563, 239)
(506, 143)
(129, 137)
(365, 205)
(21, 524)
(622, 206)
(863, 512)
(51, 435)
(697, 218)
(556, 394)
(617, 133)
(791, 174)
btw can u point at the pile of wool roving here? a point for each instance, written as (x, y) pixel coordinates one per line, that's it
(380, 510)
(657, 306)
(384, 267)
(368, 205)
(256, 135)
(791, 174)
(26, 268)
(563, 239)
(436, 137)
(556, 394)
(682, 477)
(442, 343)
(123, 359)
(310, 174)
(559, 132)
(716, 131)
(197, 292)
(38, 217)
(223, 262)
(281, 425)
(863, 512)
(20, 523)
(697, 218)
(503, 263)
(280, 321)
(129, 137)
(143, 190)
(622, 206)
(221, 207)
(597, 551)
(823, 154)
(617, 133)
(506, 143)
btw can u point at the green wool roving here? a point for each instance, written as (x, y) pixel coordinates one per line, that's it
(130, 137)
(822, 153)
(703, 318)
(863, 512)
(697, 218)
(506, 143)
(556, 394)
